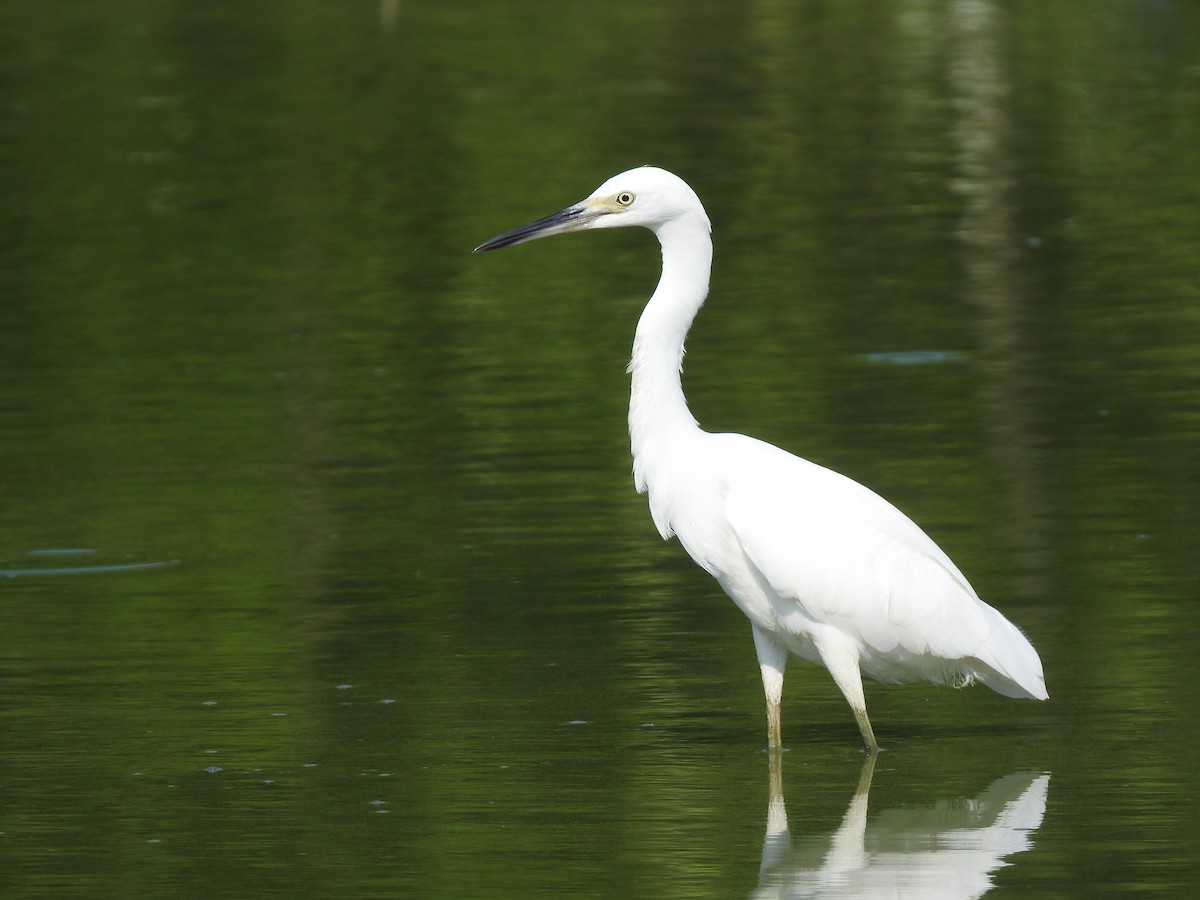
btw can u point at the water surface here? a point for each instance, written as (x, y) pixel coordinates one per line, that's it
(369, 606)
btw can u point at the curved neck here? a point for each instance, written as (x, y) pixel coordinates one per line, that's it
(658, 411)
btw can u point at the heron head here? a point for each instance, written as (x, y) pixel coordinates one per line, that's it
(646, 196)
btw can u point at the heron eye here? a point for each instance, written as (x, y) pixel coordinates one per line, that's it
(624, 198)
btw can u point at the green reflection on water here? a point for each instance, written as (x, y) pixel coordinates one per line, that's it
(241, 328)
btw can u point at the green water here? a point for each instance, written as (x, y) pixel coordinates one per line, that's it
(321, 570)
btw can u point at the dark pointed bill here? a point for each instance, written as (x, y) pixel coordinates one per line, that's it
(564, 220)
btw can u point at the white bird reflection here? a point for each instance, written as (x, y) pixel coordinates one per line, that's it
(942, 851)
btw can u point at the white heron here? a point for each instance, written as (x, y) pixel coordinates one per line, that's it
(824, 568)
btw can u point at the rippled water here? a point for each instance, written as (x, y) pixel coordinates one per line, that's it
(322, 568)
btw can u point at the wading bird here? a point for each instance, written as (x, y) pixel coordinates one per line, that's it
(824, 568)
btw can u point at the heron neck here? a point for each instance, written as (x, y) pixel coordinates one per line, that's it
(658, 411)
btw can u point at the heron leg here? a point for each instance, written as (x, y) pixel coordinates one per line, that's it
(772, 660)
(864, 726)
(842, 663)
(774, 730)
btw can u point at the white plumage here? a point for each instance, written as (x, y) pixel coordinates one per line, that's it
(824, 568)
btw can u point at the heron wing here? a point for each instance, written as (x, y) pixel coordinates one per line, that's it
(835, 553)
